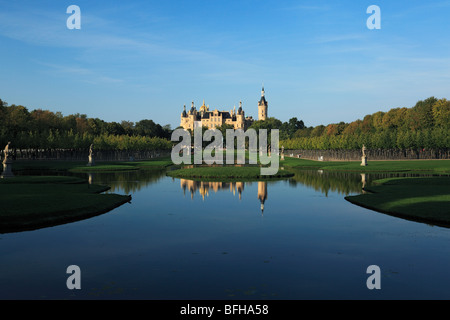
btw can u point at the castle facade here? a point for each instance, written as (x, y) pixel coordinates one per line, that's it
(211, 119)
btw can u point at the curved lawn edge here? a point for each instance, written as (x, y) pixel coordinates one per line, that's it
(436, 222)
(35, 202)
(52, 219)
(433, 209)
(226, 174)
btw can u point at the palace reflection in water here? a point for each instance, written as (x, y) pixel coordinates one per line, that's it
(205, 187)
(344, 183)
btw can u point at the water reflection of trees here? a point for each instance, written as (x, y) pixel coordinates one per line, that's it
(126, 181)
(338, 181)
(323, 181)
(326, 181)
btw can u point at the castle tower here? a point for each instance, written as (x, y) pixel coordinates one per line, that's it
(262, 193)
(240, 117)
(262, 106)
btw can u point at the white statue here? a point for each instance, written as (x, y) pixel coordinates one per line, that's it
(364, 157)
(7, 172)
(91, 156)
(6, 152)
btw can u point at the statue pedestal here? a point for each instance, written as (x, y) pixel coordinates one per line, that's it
(364, 161)
(7, 172)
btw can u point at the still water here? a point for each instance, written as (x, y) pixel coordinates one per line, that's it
(178, 239)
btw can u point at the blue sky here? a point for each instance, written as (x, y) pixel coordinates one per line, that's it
(134, 60)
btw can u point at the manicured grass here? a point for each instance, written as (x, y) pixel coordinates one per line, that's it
(100, 166)
(104, 168)
(34, 202)
(421, 199)
(411, 166)
(157, 163)
(50, 165)
(309, 164)
(226, 173)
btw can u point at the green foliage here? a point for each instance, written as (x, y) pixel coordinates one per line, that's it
(44, 129)
(426, 125)
(441, 113)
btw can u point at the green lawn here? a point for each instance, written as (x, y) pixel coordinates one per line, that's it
(151, 164)
(104, 168)
(424, 199)
(100, 166)
(40, 201)
(411, 166)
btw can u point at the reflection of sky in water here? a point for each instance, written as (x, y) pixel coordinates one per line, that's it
(166, 245)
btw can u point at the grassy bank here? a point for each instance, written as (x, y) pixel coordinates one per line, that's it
(100, 166)
(226, 173)
(31, 202)
(411, 166)
(39, 201)
(420, 199)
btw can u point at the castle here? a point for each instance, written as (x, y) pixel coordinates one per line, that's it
(212, 119)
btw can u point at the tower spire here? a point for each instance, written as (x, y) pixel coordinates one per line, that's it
(262, 106)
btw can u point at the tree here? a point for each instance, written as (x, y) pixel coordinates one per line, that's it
(17, 119)
(44, 120)
(82, 125)
(303, 133)
(114, 128)
(269, 124)
(441, 113)
(96, 126)
(318, 131)
(149, 128)
(377, 120)
(128, 127)
(424, 112)
(292, 126)
(3, 111)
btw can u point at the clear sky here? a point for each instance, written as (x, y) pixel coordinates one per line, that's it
(134, 60)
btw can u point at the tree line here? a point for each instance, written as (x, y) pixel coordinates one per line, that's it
(424, 126)
(44, 129)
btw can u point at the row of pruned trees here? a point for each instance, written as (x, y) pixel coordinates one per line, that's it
(433, 138)
(45, 129)
(426, 125)
(75, 141)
